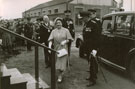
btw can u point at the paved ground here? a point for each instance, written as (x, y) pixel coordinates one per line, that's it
(75, 78)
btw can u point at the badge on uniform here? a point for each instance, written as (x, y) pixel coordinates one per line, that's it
(88, 29)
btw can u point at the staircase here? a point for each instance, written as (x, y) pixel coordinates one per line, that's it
(13, 79)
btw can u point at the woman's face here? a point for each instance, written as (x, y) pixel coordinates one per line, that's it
(58, 24)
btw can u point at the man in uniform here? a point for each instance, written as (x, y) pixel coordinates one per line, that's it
(44, 33)
(91, 39)
(94, 17)
(69, 24)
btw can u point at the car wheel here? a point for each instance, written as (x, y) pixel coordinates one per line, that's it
(81, 51)
(132, 68)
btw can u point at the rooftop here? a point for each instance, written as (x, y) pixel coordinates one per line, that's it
(50, 3)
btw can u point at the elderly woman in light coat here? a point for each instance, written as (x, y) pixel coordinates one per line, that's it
(60, 36)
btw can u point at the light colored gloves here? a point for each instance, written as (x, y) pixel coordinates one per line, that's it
(94, 52)
(63, 42)
(50, 45)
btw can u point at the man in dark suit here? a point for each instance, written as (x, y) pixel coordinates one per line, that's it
(69, 24)
(28, 32)
(44, 33)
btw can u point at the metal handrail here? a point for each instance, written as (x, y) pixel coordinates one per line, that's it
(53, 83)
(25, 38)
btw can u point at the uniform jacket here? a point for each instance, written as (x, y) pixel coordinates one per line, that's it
(91, 34)
(69, 24)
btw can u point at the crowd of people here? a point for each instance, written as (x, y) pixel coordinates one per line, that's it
(58, 35)
(8, 40)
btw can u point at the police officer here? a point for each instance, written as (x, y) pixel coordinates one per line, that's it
(44, 33)
(91, 38)
(69, 24)
(28, 32)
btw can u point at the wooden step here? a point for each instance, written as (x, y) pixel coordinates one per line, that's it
(29, 78)
(33, 86)
(3, 67)
(18, 83)
(43, 84)
(31, 82)
(5, 80)
(14, 72)
(16, 79)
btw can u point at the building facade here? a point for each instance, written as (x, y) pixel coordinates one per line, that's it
(56, 8)
(129, 5)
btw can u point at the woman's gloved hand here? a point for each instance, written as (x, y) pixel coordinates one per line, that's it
(50, 44)
(64, 42)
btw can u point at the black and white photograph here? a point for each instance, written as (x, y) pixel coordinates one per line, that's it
(67, 44)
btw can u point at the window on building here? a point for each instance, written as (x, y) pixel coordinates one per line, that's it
(28, 15)
(123, 24)
(39, 13)
(133, 27)
(31, 14)
(43, 11)
(55, 10)
(49, 11)
(78, 21)
(35, 14)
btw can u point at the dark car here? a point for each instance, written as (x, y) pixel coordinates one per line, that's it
(117, 41)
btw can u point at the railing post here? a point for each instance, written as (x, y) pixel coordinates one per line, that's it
(0, 76)
(53, 79)
(36, 67)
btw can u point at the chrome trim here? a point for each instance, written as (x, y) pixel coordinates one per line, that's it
(112, 64)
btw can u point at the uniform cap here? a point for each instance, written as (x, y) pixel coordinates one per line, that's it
(91, 10)
(28, 18)
(84, 13)
(67, 11)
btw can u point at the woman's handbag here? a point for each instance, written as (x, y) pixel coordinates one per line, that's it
(62, 52)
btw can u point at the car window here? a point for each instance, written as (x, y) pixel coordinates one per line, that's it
(107, 25)
(123, 24)
(133, 31)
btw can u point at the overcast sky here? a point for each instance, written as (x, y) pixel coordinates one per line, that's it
(14, 8)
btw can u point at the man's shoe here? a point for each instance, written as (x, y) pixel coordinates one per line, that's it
(88, 78)
(91, 84)
(88, 71)
(47, 66)
(59, 79)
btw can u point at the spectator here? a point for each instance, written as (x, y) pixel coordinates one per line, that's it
(28, 32)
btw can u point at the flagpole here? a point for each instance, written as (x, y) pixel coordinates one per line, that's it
(131, 5)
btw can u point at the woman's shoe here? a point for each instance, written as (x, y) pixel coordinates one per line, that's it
(59, 79)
